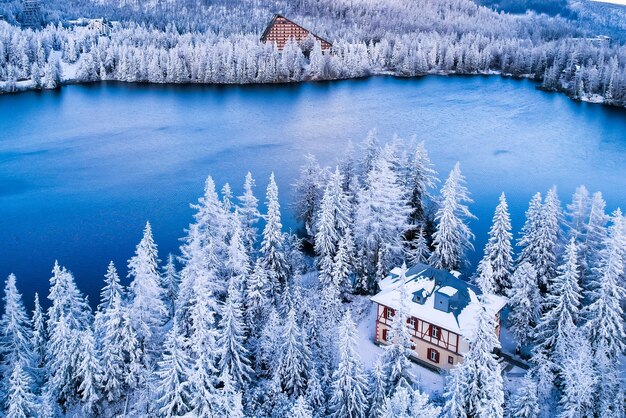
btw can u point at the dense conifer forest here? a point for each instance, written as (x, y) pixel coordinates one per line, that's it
(244, 322)
(217, 41)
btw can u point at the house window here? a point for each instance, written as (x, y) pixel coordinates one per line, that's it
(450, 360)
(433, 355)
(389, 313)
(384, 335)
(434, 332)
(411, 322)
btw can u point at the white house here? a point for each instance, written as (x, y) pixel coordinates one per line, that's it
(442, 312)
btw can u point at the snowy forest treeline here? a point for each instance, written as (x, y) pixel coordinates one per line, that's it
(218, 42)
(243, 323)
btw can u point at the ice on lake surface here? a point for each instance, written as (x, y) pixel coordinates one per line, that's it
(81, 170)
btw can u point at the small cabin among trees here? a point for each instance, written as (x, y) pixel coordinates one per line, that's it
(280, 30)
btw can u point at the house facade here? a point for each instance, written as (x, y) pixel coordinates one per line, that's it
(442, 312)
(280, 30)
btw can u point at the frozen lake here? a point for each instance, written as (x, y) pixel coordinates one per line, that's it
(81, 170)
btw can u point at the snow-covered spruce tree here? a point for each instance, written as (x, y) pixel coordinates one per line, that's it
(204, 348)
(524, 303)
(418, 251)
(89, 373)
(234, 356)
(530, 231)
(301, 409)
(578, 379)
(173, 376)
(227, 197)
(332, 220)
(595, 236)
(21, 402)
(485, 279)
(577, 214)
(456, 405)
(548, 239)
(69, 314)
(395, 358)
(146, 308)
(381, 220)
(349, 384)
(409, 403)
(269, 341)
(543, 374)
(109, 333)
(484, 393)
(562, 304)
(422, 178)
(343, 264)
(498, 250)
(315, 395)
(605, 324)
(294, 358)
(170, 281)
(257, 298)
(608, 390)
(272, 244)
(370, 151)
(16, 336)
(308, 191)
(237, 257)
(249, 212)
(453, 238)
(38, 341)
(525, 403)
(376, 389)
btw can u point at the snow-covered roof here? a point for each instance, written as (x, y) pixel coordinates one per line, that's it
(456, 300)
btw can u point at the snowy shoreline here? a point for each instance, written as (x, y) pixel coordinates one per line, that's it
(25, 86)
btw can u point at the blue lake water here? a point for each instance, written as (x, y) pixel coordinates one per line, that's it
(81, 170)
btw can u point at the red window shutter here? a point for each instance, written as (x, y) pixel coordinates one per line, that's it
(416, 323)
(430, 330)
(436, 356)
(384, 335)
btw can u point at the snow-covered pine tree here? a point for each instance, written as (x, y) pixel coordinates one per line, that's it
(315, 396)
(542, 373)
(349, 384)
(498, 250)
(409, 403)
(273, 240)
(234, 356)
(269, 341)
(89, 373)
(530, 230)
(395, 358)
(578, 379)
(421, 179)
(577, 214)
(548, 239)
(170, 282)
(38, 341)
(257, 299)
(456, 405)
(605, 323)
(249, 212)
(595, 236)
(332, 220)
(21, 402)
(562, 305)
(109, 332)
(485, 279)
(343, 264)
(173, 376)
(204, 348)
(294, 358)
(146, 308)
(381, 220)
(227, 197)
(238, 259)
(376, 389)
(308, 191)
(525, 403)
(418, 251)
(453, 238)
(484, 394)
(16, 336)
(524, 303)
(370, 154)
(301, 409)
